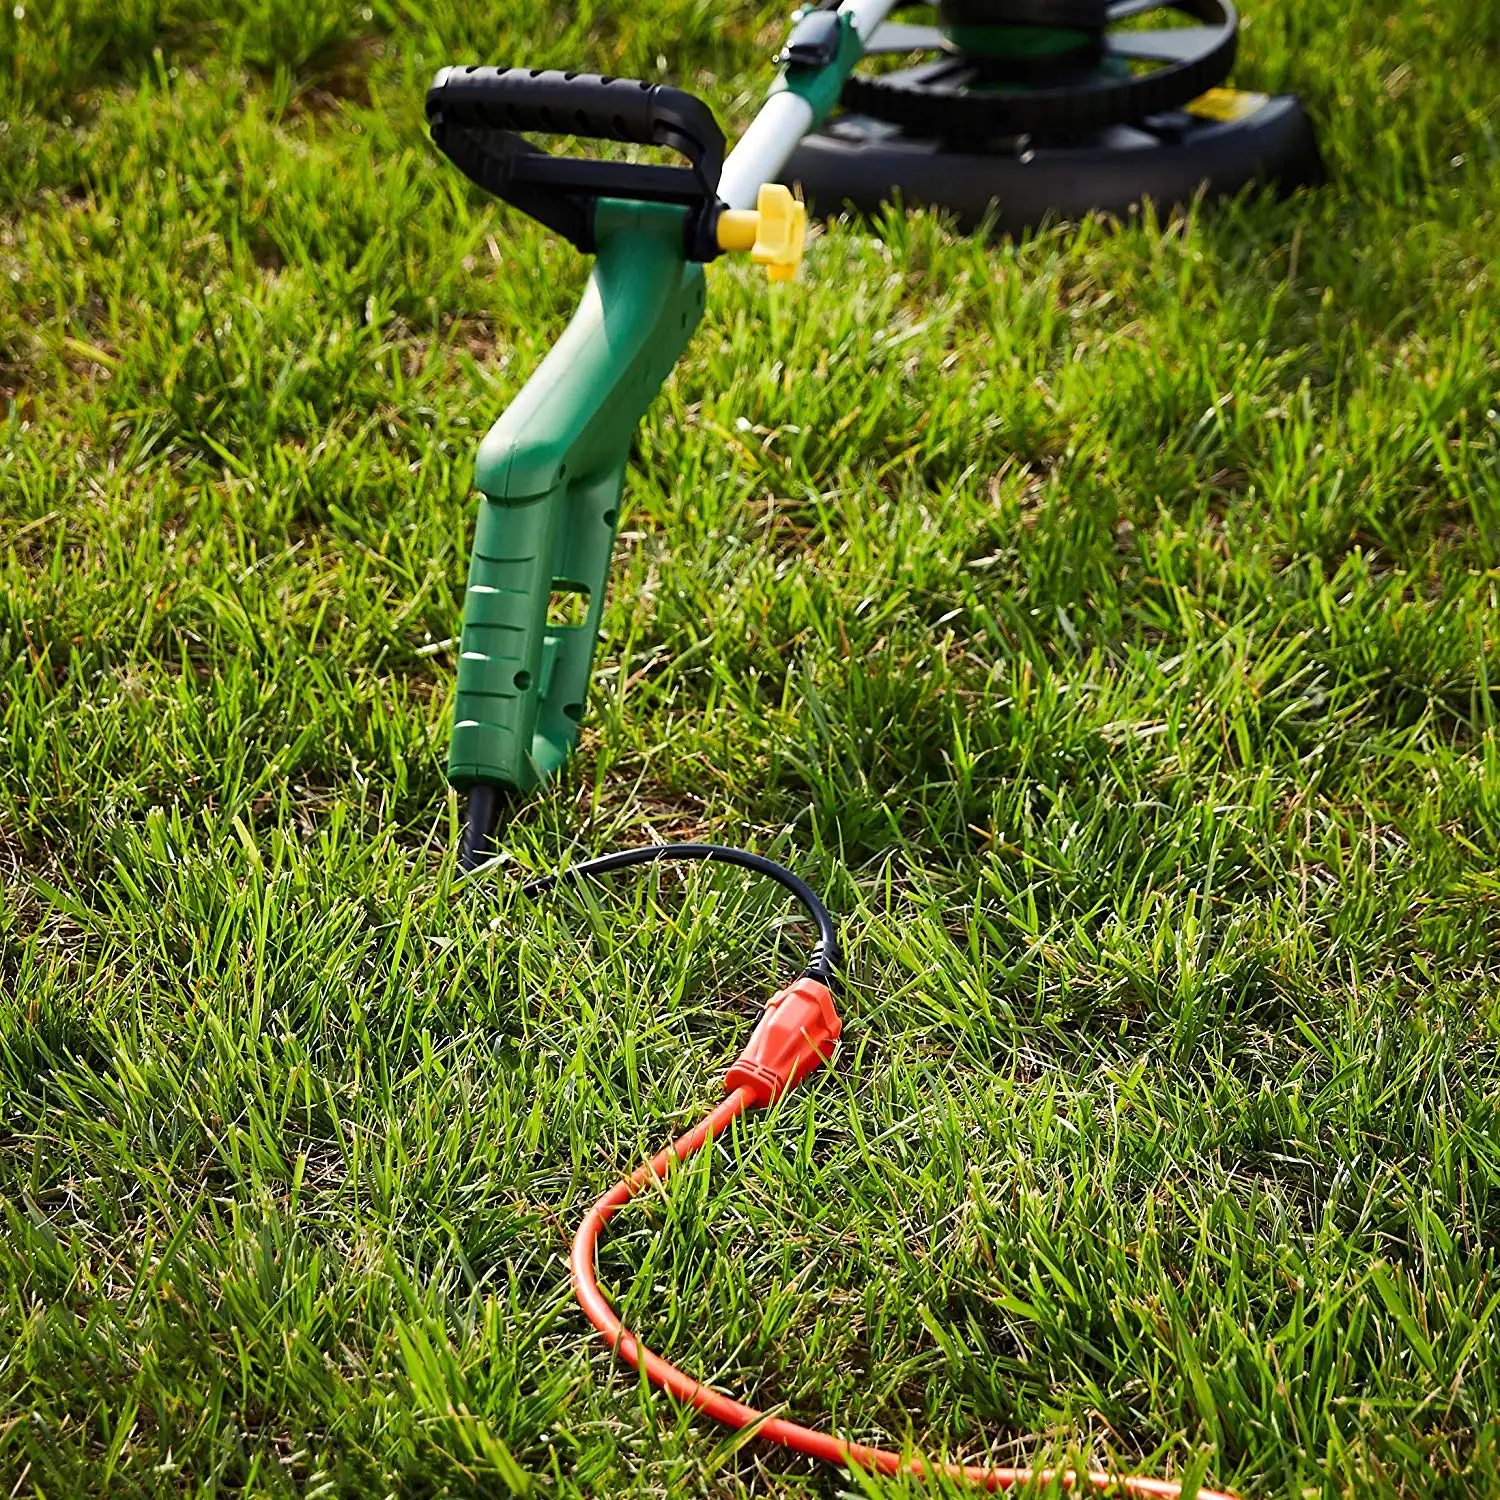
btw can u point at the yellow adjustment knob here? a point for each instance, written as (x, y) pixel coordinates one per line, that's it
(773, 232)
(783, 231)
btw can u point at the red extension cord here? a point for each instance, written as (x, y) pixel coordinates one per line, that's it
(796, 1035)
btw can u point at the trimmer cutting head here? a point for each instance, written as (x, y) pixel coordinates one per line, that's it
(1022, 110)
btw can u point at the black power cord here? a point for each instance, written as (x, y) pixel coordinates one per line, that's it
(483, 812)
(825, 960)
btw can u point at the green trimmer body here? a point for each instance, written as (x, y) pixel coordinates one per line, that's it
(549, 474)
(551, 471)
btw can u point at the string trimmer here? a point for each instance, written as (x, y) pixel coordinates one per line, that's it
(1030, 106)
(551, 471)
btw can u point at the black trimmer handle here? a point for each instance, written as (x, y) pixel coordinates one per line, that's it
(581, 104)
(475, 113)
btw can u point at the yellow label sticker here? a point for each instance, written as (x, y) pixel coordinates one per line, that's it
(1226, 104)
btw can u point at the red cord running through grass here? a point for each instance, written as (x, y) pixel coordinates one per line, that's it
(807, 1440)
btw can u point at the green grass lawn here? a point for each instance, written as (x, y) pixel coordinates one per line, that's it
(1106, 623)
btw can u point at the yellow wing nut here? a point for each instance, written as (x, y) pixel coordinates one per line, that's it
(774, 231)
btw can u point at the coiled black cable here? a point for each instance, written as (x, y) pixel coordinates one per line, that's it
(825, 960)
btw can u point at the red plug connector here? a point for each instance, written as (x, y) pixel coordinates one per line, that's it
(795, 1035)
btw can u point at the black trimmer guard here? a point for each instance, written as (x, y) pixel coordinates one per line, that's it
(861, 163)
